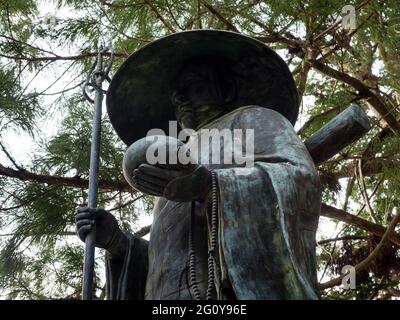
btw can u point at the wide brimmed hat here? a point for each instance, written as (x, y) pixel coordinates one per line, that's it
(139, 95)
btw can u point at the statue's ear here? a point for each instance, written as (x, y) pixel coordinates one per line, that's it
(174, 98)
(227, 85)
(231, 94)
(178, 99)
(229, 91)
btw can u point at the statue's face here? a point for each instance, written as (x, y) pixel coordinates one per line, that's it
(202, 100)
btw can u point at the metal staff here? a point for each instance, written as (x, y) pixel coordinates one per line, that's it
(97, 75)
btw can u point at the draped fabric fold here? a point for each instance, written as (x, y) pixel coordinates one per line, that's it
(268, 216)
(274, 252)
(126, 278)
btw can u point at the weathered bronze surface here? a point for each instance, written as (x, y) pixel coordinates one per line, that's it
(139, 96)
(267, 214)
(342, 130)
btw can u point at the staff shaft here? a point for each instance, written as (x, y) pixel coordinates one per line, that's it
(88, 266)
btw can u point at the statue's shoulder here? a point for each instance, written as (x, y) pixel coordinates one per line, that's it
(251, 116)
(254, 114)
(258, 110)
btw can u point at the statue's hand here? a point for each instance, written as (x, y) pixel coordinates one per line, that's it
(178, 184)
(108, 234)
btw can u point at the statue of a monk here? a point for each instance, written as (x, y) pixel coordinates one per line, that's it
(267, 215)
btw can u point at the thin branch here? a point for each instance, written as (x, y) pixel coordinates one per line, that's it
(61, 91)
(371, 195)
(219, 16)
(27, 44)
(25, 202)
(9, 156)
(127, 203)
(364, 91)
(302, 79)
(122, 6)
(114, 27)
(159, 16)
(370, 168)
(361, 185)
(60, 58)
(34, 77)
(339, 21)
(349, 189)
(344, 238)
(169, 9)
(198, 16)
(58, 79)
(371, 257)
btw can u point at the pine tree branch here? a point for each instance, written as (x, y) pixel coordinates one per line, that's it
(371, 257)
(302, 78)
(370, 168)
(159, 16)
(275, 37)
(374, 100)
(349, 189)
(171, 14)
(12, 39)
(371, 195)
(219, 16)
(339, 21)
(9, 156)
(125, 204)
(59, 58)
(376, 229)
(344, 238)
(76, 182)
(364, 91)
(363, 188)
(122, 6)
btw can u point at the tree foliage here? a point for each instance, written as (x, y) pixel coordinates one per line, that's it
(44, 60)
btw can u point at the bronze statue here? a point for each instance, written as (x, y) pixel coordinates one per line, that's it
(260, 244)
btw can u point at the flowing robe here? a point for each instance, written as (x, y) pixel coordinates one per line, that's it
(267, 220)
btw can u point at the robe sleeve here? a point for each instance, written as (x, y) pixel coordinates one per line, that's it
(126, 277)
(268, 214)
